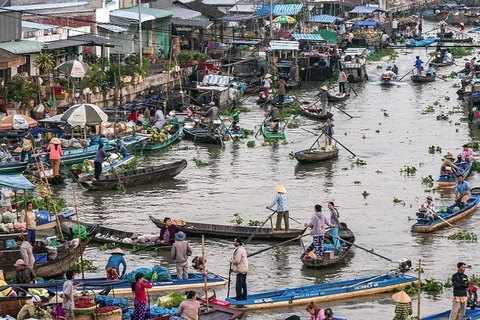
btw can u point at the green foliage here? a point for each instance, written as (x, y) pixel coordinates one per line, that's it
(107, 246)
(460, 235)
(409, 170)
(356, 182)
(476, 166)
(45, 203)
(442, 117)
(409, 289)
(396, 200)
(360, 162)
(87, 266)
(448, 283)
(237, 219)
(365, 194)
(459, 52)
(474, 145)
(185, 55)
(20, 89)
(44, 62)
(254, 223)
(291, 155)
(384, 52)
(200, 163)
(430, 285)
(251, 144)
(434, 149)
(293, 124)
(428, 181)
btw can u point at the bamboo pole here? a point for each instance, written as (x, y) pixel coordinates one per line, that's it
(204, 263)
(419, 285)
(79, 235)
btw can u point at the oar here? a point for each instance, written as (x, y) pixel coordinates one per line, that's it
(228, 131)
(441, 218)
(364, 249)
(342, 111)
(280, 244)
(258, 229)
(351, 88)
(256, 134)
(440, 78)
(295, 220)
(332, 138)
(229, 279)
(73, 176)
(406, 74)
(319, 136)
(116, 175)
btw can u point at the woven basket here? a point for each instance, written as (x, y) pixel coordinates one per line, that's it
(85, 317)
(114, 315)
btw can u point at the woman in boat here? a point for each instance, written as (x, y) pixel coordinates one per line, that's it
(324, 98)
(418, 65)
(32, 310)
(28, 145)
(403, 308)
(335, 221)
(318, 225)
(342, 79)
(328, 128)
(281, 90)
(281, 201)
(140, 301)
(113, 265)
(133, 117)
(168, 231)
(29, 217)
(428, 208)
(190, 308)
(267, 84)
(316, 313)
(274, 118)
(99, 158)
(467, 153)
(55, 153)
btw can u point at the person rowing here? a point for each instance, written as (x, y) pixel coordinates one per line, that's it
(428, 209)
(448, 165)
(462, 190)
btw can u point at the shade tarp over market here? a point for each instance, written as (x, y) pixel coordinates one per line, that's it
(279, 9)
(15, 182)
(308, 37)
(366, 10)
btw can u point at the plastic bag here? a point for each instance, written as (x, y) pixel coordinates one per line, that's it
(83, 232)
(44, 217)
(162, 274)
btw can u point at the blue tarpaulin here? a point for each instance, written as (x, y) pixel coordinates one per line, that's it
(362, 9)
(366, 24)
(307, 37)
(280, 9)
(325, 18)
(15, 182)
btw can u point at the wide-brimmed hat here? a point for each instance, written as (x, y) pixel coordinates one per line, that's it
(280, 189)
(268, 75)
(55, 140)
(19, 262)
(449, 155)
(35, 299)
(429, 198)
(324, 88)
(401, 297)
(118, 250)
(180, 235)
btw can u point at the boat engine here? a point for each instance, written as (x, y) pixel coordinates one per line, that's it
(197, 263)
(404, 265)
(472, 302)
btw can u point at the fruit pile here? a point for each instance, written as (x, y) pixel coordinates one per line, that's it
(108, 309)
(84, 306)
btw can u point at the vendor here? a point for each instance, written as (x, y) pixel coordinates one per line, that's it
(167, 232)
(32, 310)
(120, 148)
(113, 265)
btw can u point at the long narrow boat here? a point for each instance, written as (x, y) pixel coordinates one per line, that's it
(314, 112)
(469, 314)
(77, 170)
(452, 214)
(338, 96)
(154, 146)
(315, 155)
(454, 40)
(109, 235)
(230, 232)
(221, 313)
(11, 306)
(421, 43)
(422, 79)
(324, 292)
(137, 176)
(449, 181)
(129, 141)
(272, 135)
(441, 64)
(203, 135)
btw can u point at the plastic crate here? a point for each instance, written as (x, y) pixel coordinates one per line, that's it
(40, 258)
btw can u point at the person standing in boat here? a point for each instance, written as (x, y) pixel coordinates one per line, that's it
(159, 119)
(99, 158)
(460, 285)
(462, 190)
(113, 265)
(28, 145)
(180, 252)
(281, 90)
(267, 84)
(403, 309)
(328, 129)
(318, 225)
(274, 118)
(239, 265)
(281, 201)
(29, 217)
(442, 24)
(324, 99)
(342, 80)
(26, 250)
(139, 287)
(212, 114)
(55, 153)
(168, 231)
(418, 65)
(335, 222)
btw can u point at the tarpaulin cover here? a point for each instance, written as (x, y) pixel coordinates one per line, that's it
(15, 182)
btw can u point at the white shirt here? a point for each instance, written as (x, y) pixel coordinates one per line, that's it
(68, 289)
(6, 195)
(159, 115)
(267, 83)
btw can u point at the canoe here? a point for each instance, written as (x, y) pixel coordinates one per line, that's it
(109, 235)
(452, 214)
(454, 40)
(270, 135)
(146, 145)
(324, 292)
(229, 232)
(137, 176)
(422, 79)
(472, 314)
(422, 43)
(446, 35)
(67, 256)
(221, 313)
(129, 141)
(441, 64)
(315, 155)
(450, 181)
(11, 306)
(80, 175)
(310, 111)
(338, 97)
(386, 80)
(329, 257)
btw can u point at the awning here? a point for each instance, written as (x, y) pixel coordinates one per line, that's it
(53, 119)
(245, 8)
(246, 42)
(112, 28)
(325, 18)
(10, 60)
(284, 45)
(15, 182)
(23, 46)
(366, 24)
(156, 13)
(308, 37)
(80, 40)
(182, 13)
(192, 23)
(130, 15)
(238, 18)
(280, 9)
(366, 10)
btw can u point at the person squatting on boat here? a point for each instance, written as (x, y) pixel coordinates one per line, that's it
(448, 165)
(467, 153)
(318, 225)
(26, 251)
(281, 201)
(188, 309)
(180, 252)
(113, 265)
(168, 231)
(33, 310)
(239, 265)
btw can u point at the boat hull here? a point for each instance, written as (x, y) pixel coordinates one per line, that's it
(315, 115)
(441, 64)
(146, 146)
(315, 155)
(270, 135)
(473, 314)
(335, 98)
(422, 79)
(445, 181)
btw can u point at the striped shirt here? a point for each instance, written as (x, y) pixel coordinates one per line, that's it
(402, 311)
(281, 201)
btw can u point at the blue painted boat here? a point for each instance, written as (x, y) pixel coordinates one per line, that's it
(421, 43)
(473, 314)
(453, 213)
(324, 292)
(82, 175)
(129, 141)
(450, 180)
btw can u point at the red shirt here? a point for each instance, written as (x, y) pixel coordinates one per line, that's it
(140, 292)
(133, 117)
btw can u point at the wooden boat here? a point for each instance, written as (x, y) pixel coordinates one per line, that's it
(228, 232)
(422, 43)
(11, 306)
(454, 40)
(314, 112)
(446, 35)
(109, 235)
(469, 314)
(422, 79)
(385, 80)
(324, 292)
(453, 213)
(271, 135)
(335, 97)
(201, 134)
(329, 257)
(441, 64)
(84, 175)
(316, 155)
(137, 176)
(129, 141)
(147, 145)
(449, 181)
(67, 256)
(221, 313)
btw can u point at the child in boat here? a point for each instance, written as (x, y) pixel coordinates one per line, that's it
(316, 313)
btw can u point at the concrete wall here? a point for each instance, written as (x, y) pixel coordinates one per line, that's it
(10, 26)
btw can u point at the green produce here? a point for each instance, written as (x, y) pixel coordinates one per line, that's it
(172, 300)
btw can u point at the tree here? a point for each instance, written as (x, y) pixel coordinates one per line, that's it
(44, 62)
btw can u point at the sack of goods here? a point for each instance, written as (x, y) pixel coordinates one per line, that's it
(52, 253)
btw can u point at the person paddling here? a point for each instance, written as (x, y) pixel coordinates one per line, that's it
(428, 208)
(113, 265)
(282, 208)
(418, 65)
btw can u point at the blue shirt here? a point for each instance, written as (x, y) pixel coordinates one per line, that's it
(122, 150)
(418, 63)
(115, 261)
(462, 188)
(100, 156)
(281, 201)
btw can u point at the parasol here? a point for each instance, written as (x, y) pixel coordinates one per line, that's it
(75, 69)
(283, 19)
(17, 122)
(84, 114)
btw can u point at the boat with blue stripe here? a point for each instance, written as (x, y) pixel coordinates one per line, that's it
(469, 314)
(329, 291)
(450, 180)
(420, 43)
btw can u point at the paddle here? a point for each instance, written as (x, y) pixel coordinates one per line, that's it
(228, 129)
(316, 140)
(280, 244)
(364, 249)
(333, 139)
(116, 175)
(73, 176)
(440, 217)
(263, 223)
(351, 88)
(406, 74)
(342, 111)
(440, 78)
(256, 134)
(229, 279)
(295, 220)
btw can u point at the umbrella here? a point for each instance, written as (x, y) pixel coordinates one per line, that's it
(75, 69)
(283, 19)
(17, 122)
(84, 114)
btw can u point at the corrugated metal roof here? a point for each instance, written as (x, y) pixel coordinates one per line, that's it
(22, 46)
(220, 3)
(192, 23)
(249, 8)
(284, 45)
(112, 28)
(280, 9)
(182, 13)
(324, 18)
(37, 26)
(33, 7)
(308, 37)
(362, 9)
(157, 13)
(131, 15)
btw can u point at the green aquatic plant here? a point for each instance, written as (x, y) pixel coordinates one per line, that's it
(199, 163)
(474, 145)
(396, 200)
(476, 166)
(237, 219)
(88, 266)
(431, 285)
(365, 194)
(460, 235)
(356, 182)
(360, 162)
(251, 144)
(428, 181)
(409, 170)
(254, 223)
(442, 117)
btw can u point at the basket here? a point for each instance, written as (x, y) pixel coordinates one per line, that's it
(85, 317)
(114, 315)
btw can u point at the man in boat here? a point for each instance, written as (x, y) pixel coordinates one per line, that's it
(324, 99)
(428, 209)
(212, 114)
(460, 286)
(32, 310)
(318, 225)
(23, 274)
(442, 25)
(447, 56)
(281, 90)
(239, 265)
(462, 190)
(342, 79)
(389, 74)
(26, 251)
(168, 231)
(69, 289)
(113, 265)
(180, 252)
(274, 118)
(281, 201)
(467, 153)
(448, 164)
(431, 71)
(395, 69)
(120, 148)
(99, 158)
(159, 119)
(418, 65)
(28, 145)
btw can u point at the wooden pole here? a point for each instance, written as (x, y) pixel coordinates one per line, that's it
(204, 262)
(79, 235)
(419, 286)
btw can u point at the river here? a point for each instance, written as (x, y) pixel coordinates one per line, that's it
(389, 131)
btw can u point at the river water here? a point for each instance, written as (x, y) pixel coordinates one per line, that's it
(389, 131)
